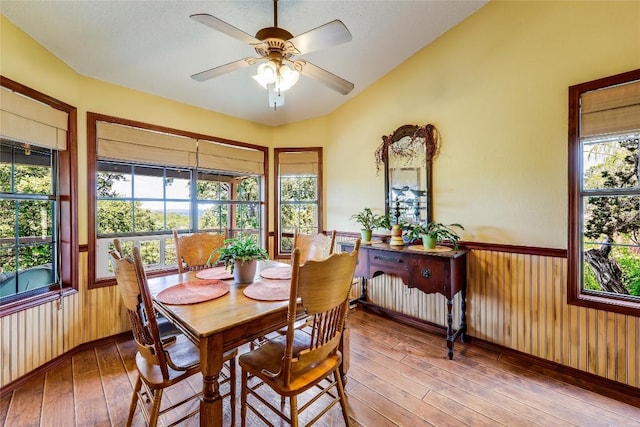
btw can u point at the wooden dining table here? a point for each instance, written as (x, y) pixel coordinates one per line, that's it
(219, 325)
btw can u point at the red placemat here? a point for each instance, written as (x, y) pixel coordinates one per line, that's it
(278, 273)
(265, 290)
(193, 292)
(219, 273)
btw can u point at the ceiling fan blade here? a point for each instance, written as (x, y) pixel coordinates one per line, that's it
(329, 79)
(223, 27)
(324, 36)
(223, 69)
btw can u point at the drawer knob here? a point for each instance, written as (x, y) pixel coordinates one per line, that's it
(426, 273)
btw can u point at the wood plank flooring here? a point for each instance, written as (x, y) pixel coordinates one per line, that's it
(399, 376)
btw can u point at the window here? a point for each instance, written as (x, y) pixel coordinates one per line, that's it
(150, 181)
(604, 194)
(299, 194)
(37, 212)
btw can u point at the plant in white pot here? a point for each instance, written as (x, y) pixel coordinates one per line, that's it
(369, 221)
(433, 232)
(240, 255)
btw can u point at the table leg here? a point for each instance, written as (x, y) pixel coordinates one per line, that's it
(211, 366)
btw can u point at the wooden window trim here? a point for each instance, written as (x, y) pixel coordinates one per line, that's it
(575, 294)
(276, 192)
(92, 158)
(68, 191)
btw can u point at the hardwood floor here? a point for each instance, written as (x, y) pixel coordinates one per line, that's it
(399, 376)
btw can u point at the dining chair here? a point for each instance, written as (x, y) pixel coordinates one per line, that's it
(195, 251)
(314, 246)
(298, 361)
(160, 363)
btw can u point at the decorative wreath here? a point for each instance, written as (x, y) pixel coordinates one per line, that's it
(426, 139)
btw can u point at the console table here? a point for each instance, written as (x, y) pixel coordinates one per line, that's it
(443, 272)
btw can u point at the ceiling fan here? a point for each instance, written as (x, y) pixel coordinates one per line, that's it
(276, 48)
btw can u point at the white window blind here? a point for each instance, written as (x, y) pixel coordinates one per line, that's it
(26, 120)
(614, 109)
(298, 163)
(223, 157)
(117, 142)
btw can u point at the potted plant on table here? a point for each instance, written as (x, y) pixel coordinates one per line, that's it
(433, 232)
(369, 221)
(241, 254)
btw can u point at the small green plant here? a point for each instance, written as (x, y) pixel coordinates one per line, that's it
(241, 249)
(369, 220)
(436, 230)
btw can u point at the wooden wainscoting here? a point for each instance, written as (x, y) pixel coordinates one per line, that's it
(517, 298)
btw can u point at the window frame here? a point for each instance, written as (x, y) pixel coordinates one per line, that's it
(279, 254)
(575, 294)
(67, 187)
(92, 162)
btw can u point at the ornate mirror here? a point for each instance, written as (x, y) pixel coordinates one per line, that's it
(407, 155)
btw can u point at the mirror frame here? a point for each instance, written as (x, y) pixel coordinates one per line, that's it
(388, 140)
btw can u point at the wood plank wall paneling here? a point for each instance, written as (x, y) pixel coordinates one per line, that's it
(516, 300)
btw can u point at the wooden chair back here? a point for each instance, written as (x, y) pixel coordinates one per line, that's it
(314, 246)
(195, 251)
(132, 283)
(322, 288)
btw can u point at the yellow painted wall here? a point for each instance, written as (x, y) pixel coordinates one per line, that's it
(495, 86)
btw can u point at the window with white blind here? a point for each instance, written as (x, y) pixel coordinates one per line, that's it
(37, 233)
(299, 194)
(604, 194)
(150, 181)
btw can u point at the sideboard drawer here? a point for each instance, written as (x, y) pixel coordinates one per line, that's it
(430, 275)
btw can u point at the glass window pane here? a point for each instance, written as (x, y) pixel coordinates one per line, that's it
(288, 189)
(35, 219)
(248, 189)
(7, 259)
(178, 184)
(7, 220)
(611, 163)
(148, 216)
(611, 244)
(5, 168)
(308, 188)
(170, 252)
(247, 217)
(114, 217)
(150, 252)
(148, 183)
(178, 215)
(33, 171)
(213, 216)
(113, 180)
(613, 216)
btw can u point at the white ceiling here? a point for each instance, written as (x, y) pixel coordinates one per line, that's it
(154, 47)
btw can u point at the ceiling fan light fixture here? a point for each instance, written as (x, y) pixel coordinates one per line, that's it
(267, 74)
(286, 78)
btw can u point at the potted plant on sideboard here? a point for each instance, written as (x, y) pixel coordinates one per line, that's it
(433, 232)
(240, 255)
(369, 221)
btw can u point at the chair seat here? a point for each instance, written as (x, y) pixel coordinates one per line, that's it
(184, 355)
(268, 357)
